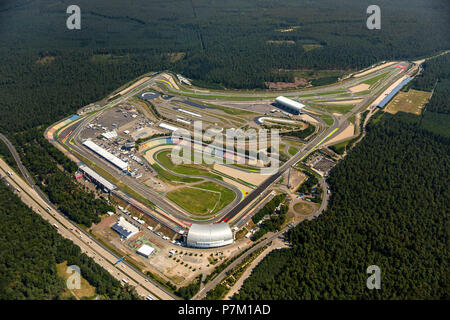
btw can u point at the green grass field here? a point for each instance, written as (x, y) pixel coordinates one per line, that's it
(203, 199)
(171, 178)
(327, 119)
(245, 167)
(292, 150)
(339, 108)
(412, 101)
(340, 147)
(375, 79)
(86, 291)
(164, 158)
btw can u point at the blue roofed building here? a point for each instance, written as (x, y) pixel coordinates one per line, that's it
(124, 228)
(389, 97)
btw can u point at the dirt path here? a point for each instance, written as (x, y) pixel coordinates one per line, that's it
(276, 244)
(359, 88)
(384, 65)
(347, 133)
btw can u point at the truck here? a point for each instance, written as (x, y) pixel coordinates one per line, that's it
(125, 281)
(56, 226)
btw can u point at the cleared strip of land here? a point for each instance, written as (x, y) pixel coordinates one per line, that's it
(384, 65)
(134, 85)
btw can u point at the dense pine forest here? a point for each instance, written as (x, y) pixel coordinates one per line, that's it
(436, 78)
(29, 251)
(389, 207)
(48, 71)
(42, 160)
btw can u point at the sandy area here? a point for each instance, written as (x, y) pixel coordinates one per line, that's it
(345, 101)
(134, 85)
(359, 88)
(345, 134)
(170, 79)
(149, 154)
(298, 82)
(144, 132)
(308, 118)
(296, 179)
(253, 178)
(384, 65)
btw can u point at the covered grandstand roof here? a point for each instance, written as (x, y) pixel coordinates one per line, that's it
(122, 165)
(388, 98)
(209, 235)
(98, 178)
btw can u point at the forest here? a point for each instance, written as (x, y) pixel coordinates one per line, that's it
(240, 44)
(42, 160)
(389, 207)
(436, 78)
(30, 248)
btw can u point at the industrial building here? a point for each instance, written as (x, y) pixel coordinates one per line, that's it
(168, 126)
(124, 228)
(110, 135)
(96, 178)
(209, 235)
(388, 98)
(289, 105)
(122, 165)
(145, 250)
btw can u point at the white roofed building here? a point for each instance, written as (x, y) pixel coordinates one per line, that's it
(96, 178)
(122, 165)
(145, 250)
(168, 126)
(209, 235)
(289, 105)
(124, 228)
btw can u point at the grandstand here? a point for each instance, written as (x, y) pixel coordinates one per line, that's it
(96, 178)
(122, 165)
(389, 97)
